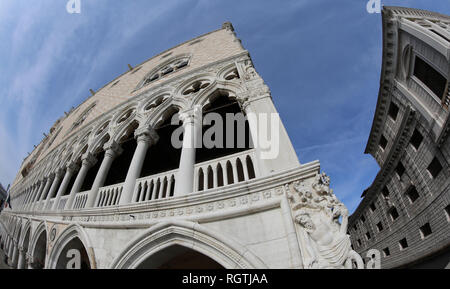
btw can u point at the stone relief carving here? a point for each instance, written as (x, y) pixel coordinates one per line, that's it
(323, 238)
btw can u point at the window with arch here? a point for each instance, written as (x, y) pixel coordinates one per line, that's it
(174, 65)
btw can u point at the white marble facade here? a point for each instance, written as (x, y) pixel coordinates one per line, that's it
(284, 216)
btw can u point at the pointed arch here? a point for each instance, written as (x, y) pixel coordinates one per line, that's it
(227, 252)
(71, 233)
(38, 246)
(250, 168)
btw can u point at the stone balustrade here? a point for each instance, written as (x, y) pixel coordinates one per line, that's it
(155, 187)
(80, 200)
(109, 196)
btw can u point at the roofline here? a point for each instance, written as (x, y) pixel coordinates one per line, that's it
(225, 26)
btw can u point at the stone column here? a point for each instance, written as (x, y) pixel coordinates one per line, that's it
(31, 196)
(21, 262)
(38, 194)
(53, 188)
(47, 187)
(87, 161)
(145, 136)
(184, 183)
(112, 150)
(71, 168)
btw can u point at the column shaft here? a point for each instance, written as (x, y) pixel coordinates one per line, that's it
(88, 161)
(184, 183)
(63, 187)
(100, 178)
(134, 170)
(53, 188)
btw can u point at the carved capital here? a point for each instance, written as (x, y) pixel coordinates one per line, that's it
(146, 134)
(191, 116)
(72, 167)
(88, 160)
(112, 149)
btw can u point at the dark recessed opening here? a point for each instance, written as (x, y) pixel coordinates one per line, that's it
(412, 194)
(385, 192)
(429, 76)
(162, 156)
(380, 227)
(403, 243)
(416, 139)
(383, 142)
(92, 173)
(373, 207)
(223, 105)
(119, 168)
(386, 252)
(435, 167)
(393, 111)
(425, 230)
(400, 169)
(393, 213)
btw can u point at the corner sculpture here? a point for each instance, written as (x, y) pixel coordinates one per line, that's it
(322, 237)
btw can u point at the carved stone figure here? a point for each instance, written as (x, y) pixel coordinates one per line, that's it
(317, 211)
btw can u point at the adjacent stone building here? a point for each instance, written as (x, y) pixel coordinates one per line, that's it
(405, 213)
(109, 182)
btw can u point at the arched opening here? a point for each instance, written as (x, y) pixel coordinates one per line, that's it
(40, 251)
(240, 170)
(210, 178)
(230, 173)
(162, 156)
(26, 240)
(219, 175)
(172, 186)
(119, 168)
(73, 256)
(250, 168)
(233, 121)
(179, 257)
(201, 179)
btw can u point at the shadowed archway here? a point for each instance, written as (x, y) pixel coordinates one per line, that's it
(40, 251)
(179, 257)
(66, 259)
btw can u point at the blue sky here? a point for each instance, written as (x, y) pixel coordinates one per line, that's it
(321, 60)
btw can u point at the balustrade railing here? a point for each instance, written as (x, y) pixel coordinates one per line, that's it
(62, 203)
(155, 187)
(208, 175)
(224, 171)
(80, 200)
(109, 196)
(50, 205)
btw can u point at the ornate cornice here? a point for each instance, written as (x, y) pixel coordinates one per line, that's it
(388, 70)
